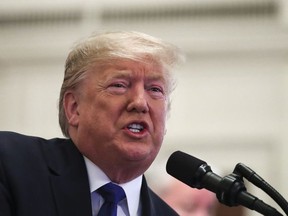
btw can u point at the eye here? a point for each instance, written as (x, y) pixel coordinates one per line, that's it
(156, 89)
(117, 87)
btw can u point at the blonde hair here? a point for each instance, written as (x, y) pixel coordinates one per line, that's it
(107, 47)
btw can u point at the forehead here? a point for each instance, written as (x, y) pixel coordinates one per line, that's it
(131, 69)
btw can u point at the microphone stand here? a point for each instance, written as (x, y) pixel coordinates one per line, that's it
(254, 178)
(232, 192)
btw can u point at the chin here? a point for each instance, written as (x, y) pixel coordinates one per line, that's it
(139, 154)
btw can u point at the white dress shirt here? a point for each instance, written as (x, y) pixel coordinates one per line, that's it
(131, 206)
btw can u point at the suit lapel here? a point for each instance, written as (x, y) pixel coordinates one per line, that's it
(147, 204)
(68, 177)
(152, 204)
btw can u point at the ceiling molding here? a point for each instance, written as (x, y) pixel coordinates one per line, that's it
(75, 13)
(190, 11)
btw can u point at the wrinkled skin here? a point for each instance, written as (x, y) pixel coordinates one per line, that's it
(117, 117)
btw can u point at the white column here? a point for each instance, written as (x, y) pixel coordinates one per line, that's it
(283, 9)
(284, 139)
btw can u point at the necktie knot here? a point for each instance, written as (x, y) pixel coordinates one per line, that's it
(112, 194)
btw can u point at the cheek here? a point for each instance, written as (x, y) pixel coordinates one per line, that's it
(161, 116)
(160, 127)
(99, 108)
(104, 117)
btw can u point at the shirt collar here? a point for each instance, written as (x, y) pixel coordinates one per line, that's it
(98, 178)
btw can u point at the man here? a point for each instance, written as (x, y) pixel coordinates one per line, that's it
(113, 107)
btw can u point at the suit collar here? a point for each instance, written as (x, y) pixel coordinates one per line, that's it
(146, 200)
(152, 204)
(68, 177)
(70, 184)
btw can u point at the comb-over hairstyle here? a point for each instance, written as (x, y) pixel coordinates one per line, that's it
(108, 47)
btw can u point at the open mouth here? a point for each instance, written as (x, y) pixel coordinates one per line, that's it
(135, 127)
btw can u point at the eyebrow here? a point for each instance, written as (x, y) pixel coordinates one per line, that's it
(120, 73)
(156, 77)
(152, 76)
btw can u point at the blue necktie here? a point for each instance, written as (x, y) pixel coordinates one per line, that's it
(112, 194)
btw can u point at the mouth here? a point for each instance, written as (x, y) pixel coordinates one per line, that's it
(137, 127)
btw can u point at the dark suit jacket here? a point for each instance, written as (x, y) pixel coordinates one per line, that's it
(41, 177)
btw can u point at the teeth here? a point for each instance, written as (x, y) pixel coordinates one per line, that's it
(136, 128)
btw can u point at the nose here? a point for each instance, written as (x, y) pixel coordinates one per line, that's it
(138, 101)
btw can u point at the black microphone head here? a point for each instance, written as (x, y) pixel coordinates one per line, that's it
(185, 168)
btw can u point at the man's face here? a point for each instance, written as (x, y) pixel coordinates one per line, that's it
(121, 113)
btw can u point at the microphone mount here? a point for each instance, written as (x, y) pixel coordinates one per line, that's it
(230, 190)
(245, 171)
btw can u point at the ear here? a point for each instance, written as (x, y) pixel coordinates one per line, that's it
(71, 108)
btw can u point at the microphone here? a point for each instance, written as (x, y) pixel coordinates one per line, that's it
(192, 171)
(229, 190)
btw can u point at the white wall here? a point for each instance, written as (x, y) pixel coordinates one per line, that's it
(231, 102)
(29, 96)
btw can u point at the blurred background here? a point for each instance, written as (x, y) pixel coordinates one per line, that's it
(231, 102)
